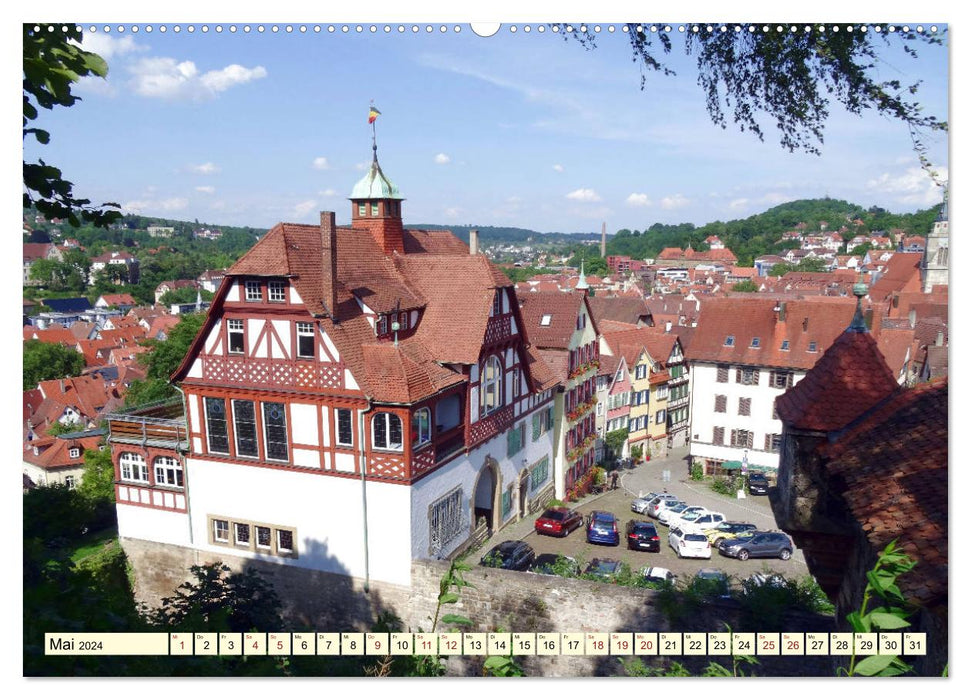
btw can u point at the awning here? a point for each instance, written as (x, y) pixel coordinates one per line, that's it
(731, 465)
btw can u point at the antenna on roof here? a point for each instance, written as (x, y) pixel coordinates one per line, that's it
(372, 117)
(395, 326)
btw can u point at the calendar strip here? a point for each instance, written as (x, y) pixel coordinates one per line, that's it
(485, 644)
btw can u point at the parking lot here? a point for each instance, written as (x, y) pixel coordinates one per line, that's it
(646, 478)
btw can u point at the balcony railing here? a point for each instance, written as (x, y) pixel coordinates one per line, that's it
(160, 424)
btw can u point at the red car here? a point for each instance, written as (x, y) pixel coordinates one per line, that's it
(558, 521)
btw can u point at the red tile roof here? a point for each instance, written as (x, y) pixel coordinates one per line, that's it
(436, 275)
(119, 299)
(52, 334)
(901, 274)
(895, 468)
(850, 378)
(562, 308)
(35, 251)
(625, 309)
(814, 319)
(55, 453)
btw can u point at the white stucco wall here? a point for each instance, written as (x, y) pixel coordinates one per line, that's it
(326, 512)
(153, 525)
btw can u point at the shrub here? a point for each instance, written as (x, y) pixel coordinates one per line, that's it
(697, 471)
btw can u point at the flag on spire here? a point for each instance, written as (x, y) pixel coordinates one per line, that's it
(373, 114)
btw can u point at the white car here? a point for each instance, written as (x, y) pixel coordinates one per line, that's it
(658, 574)
(664, 517)
(704, 521)
(687, 514)
(660, 504)
(639, 505)
(687, 544)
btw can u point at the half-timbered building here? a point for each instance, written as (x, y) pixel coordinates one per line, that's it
(358, 397)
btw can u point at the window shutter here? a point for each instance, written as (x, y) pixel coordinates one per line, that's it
(750, 438)
(755, 376)
(738, 375)
(535, 427)
(734, 436)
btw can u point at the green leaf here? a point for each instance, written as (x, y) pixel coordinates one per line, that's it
(885, 621)
(446, 598)
(859, 623)
(456, 620)
(872, 665)
(494, 662)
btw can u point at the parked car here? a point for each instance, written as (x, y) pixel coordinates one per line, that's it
(687, 514)
(729, 529)
(664, 517)
(603, 528)
(658, 574)
(689, 545)
(558, 521)
(758, 485)
(514, 555)
(660, 504)
(605, 569)
(758, 580)
(758, 544)
(642, 535)
(704, 521)
(640, 504)
(712, 583)
(555, 565)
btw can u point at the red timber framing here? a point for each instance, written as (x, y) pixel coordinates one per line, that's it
(148, 494)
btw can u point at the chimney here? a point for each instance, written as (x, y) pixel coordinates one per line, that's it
(328, 251)
(939, 342)
(473, 242)
(603, 240)
(912, 317)
(782, 310)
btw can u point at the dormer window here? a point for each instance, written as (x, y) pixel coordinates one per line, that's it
(546, 319)
(253, 291)
(491, 389)
(785, 345)
(74, 453)
(382, 325)
(497, 303)
(374, 209)
(756, 342)
(277, 291)
(730, 341)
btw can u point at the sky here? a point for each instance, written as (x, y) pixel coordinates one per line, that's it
(517, 129)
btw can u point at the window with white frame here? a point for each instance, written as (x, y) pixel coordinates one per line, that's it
(386, 431)
(284, 542)
(132, 467)
(421, 427)
(244, 425)
(305, 340)
(345, 431)
(216, 433)
(446, 520)
(235, 331)
(276, 290)
(516, 382)
(382, 325)
(264, 538)
(242, 534)
(659, 417)
(253, 291)
(546, 319)
(491, 386)
(71, 482)
(220, 530)
(497, 303)
(168, 471)
(74, 452)
(275, 431)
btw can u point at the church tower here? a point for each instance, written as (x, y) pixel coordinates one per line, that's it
(934, 266)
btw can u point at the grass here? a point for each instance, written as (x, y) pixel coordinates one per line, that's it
(94, 544)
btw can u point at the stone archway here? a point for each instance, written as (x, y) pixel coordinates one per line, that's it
(523, 493)
(486, 496)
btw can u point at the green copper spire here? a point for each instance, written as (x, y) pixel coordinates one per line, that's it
(858, 325)
(375, 184)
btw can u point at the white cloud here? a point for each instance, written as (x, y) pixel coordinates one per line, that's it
(674, 201)
(167, 79)
(329, 192)
(558, 168)
(914, 187)
(638, 199)
(453, 212)
(362, 166)
(321, 163)
(303, 208)
(584, 195)
(204, 169)
(206, 189)
(738, 203)
(775, 198)
(442, 159)
(108, 46)
(147, 206)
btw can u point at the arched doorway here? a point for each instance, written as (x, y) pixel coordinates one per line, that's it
(485, 497)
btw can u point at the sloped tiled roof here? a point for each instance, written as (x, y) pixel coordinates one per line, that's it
(850, 378)
(895, 467)
(35, 251)
(902, 273)
(53, 334)
(562, 308)
(557, 361)
(817, 319)
(58, 454)
(624, 309)
(544, 377)
(119, 299)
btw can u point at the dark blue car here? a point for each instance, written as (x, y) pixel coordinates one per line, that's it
(603, 528)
